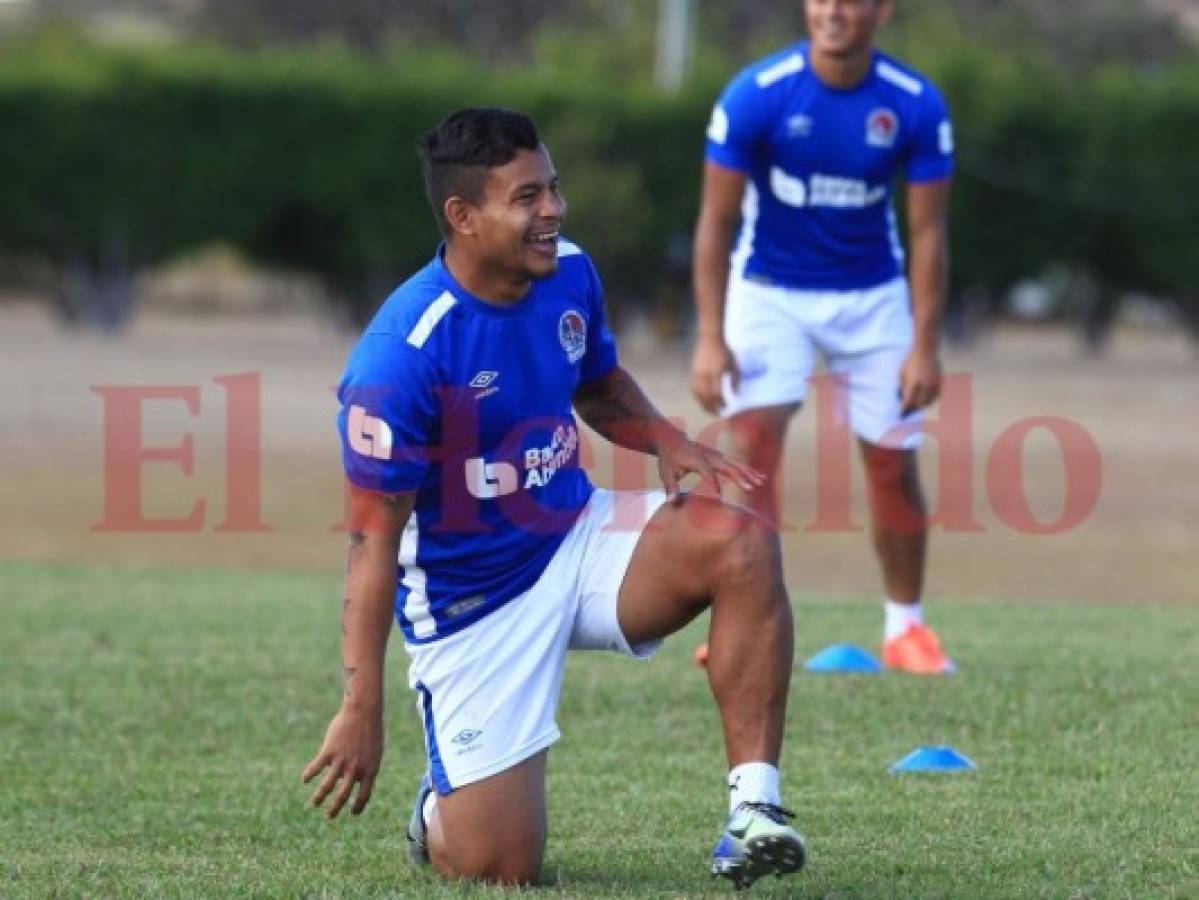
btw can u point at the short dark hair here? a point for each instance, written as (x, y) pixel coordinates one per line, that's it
(456, 155)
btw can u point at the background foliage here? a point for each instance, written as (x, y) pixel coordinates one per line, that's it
(121, 156)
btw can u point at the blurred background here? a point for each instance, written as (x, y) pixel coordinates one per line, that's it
(193, 189)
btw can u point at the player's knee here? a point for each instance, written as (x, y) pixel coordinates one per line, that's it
(759, 443)
(508, 865)
(750, 548)
(896, 499)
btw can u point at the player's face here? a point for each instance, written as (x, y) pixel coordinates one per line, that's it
(841, 28)
(521, 213)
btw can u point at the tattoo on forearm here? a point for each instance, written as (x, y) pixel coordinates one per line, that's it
(347, 679)
(622, 414)
(345, 608)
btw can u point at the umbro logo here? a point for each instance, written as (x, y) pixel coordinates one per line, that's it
(466, 736)
(482, 383)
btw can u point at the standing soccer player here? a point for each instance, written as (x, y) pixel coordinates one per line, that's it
(462, 454)
(802, 151)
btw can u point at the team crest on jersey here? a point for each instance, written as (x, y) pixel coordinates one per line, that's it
(882, 127)
(572, 333)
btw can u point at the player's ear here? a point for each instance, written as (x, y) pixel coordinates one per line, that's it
(885, 9)
(460, 215)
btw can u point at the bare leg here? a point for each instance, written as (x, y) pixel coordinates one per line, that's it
(493, 830)
(898, 521)
(758, 436)
(700, 552)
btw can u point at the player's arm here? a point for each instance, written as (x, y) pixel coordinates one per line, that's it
(353, 745)
(928, 239)
(615, 406)
(719, 218)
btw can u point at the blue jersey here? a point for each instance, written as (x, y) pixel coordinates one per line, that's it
(469, 405)
(820, 163)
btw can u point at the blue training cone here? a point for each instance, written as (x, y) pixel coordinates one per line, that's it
(933, 759)
(843, 658)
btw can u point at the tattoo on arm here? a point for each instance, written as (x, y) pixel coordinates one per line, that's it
(620, 412)
(347, 679)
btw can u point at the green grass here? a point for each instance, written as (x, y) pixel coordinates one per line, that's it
(153, 724)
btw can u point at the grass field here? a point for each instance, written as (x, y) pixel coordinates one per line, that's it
(153, 724)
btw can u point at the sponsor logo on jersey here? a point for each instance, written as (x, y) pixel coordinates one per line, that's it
(369, 436)
(882, 127)
(799, 125)
(824, 190)
(487, 481)
(542, 463)
(572, 333)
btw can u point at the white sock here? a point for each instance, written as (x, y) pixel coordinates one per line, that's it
(755, 782)
(426, 811)
(898, 616)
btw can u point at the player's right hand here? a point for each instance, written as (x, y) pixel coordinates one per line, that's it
(711, 360)
(352, 752)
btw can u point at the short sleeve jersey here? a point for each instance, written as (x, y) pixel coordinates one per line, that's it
(820, 165)
(468, 404)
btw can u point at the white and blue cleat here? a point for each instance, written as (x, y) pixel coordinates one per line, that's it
(758, 841)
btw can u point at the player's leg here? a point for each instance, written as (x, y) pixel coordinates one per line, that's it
(488, 695)
(700, 553)
(899, 528)
(898, 519)
(768, 337)
(758, 437)
(867, 345)
(492, 830)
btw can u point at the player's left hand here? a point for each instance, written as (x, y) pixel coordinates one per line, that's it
(683, 456)
(919, 380)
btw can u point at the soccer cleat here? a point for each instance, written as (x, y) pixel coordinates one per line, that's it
(757, 841)
(418, 833)
(918, 652)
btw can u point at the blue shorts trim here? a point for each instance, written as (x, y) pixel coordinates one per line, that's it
(436, 768)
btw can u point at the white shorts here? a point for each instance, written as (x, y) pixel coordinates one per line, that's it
(487, 695)
(864, 336)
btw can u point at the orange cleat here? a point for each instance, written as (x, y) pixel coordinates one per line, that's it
(918, 652)
(701, 655)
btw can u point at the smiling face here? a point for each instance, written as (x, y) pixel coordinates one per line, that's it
(512, 232)
(844, 28)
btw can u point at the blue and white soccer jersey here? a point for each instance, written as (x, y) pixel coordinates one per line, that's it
(468, 405)
(818, 225)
